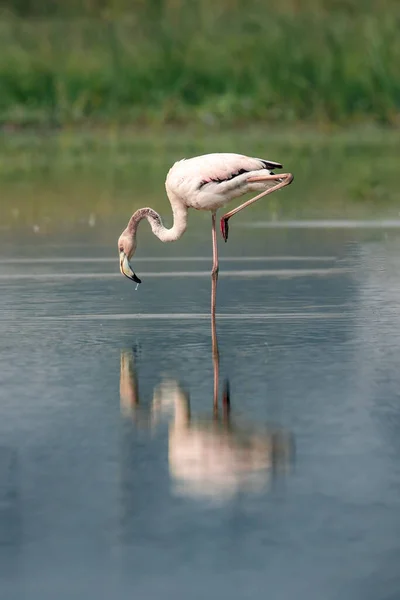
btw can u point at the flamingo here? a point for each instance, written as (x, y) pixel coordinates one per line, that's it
(206, 182)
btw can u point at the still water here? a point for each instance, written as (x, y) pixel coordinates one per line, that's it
(117, 476)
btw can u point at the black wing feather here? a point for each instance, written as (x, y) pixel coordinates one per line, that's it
(270, 164)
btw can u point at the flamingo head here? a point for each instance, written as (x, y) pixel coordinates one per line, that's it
(126, 249)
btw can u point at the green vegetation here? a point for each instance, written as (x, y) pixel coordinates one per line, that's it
(225, 62)
(57, 181)
(155, 80)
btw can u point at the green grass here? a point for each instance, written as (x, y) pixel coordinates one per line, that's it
(57, 181)
(205, 62)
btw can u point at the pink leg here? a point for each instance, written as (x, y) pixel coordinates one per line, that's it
(214, 340)
(215, 268)
(283, 180)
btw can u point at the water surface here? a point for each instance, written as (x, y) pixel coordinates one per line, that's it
(118, 478)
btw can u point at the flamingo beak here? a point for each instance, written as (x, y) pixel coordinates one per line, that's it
(126, 268)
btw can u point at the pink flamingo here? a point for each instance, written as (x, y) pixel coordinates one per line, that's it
(206, 182)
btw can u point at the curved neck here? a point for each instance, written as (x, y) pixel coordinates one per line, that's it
(165, 235)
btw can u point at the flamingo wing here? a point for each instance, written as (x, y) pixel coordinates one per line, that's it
(224, 167)
(209, 181)
(218, 167)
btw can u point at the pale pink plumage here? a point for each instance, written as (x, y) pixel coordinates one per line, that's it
(205, 182)
(208, 182)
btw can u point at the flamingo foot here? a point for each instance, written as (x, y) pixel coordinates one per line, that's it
(224, 228)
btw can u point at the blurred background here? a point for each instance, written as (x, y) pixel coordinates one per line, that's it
(99, 97)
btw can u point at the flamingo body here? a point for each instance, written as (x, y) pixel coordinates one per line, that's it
(206, 182)
(211, 181)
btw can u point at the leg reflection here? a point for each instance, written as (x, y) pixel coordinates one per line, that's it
(214, 345)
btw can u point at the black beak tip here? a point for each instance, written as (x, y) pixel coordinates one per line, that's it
(136, 279)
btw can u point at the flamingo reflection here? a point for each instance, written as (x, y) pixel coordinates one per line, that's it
(216, 456)
(213, 456)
